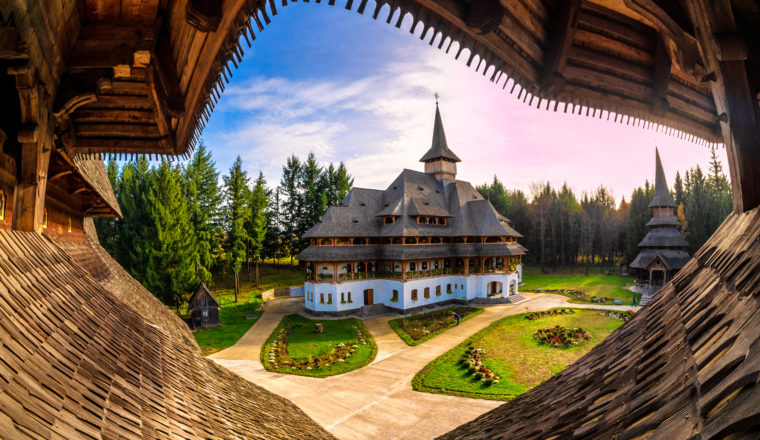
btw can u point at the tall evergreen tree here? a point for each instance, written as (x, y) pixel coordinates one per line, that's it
(314, 197)
(106, 227)
(292, 204)
(678, 189)
(137, 231)
(696, 206)
(273, 237)
(170, 273)
(342, 184)
(236, 193)
(638, 216)
(257, 222)
(201, 186)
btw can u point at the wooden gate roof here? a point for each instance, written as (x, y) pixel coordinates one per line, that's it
(143, 76)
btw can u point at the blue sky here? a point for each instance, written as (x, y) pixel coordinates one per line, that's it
(353, 89)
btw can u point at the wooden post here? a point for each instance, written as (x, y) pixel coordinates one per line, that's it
(466, 266)
(403, 270)
(335, 272)
(36, 138)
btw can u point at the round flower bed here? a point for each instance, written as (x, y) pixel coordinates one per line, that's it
(472, 361)
(559, 336)
(536, 315)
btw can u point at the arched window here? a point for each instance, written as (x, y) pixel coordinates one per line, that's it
(411, 240)
(448, 288)
(424, 265)
(321, 298)
(437, 290)
(342, 297)
(349, 297)
(414, 294)
(412, 266)
(394, 296)
(329, 298)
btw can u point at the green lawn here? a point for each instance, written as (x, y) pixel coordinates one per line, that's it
(514, 355)
(595, 284)
(232, 322)
(309, 353)
(436, 322)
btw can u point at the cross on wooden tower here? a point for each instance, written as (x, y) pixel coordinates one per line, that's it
(436, 97)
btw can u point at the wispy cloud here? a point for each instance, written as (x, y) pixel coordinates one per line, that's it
(380, 122)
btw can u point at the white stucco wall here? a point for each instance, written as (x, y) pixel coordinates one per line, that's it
(463, 288)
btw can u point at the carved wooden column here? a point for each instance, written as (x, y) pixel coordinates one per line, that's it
(466, 266)
(36, 137)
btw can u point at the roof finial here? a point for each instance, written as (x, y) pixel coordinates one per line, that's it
(436, 98)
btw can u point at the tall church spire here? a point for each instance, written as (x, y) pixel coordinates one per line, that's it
(439, 149)
(439, 160)
(662, 197)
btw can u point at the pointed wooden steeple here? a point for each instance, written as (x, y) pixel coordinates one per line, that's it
(662, 197)
(439, 160)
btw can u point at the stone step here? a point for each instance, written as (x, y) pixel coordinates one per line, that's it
(373, 311)
(516, 298)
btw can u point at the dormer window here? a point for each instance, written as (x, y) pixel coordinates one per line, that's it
(389, 219)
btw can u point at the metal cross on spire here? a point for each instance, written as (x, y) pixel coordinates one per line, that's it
(436, 98)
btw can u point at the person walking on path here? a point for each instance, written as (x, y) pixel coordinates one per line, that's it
(634, 300)
(457, 317)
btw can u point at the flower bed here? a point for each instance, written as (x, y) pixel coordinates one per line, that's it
(296, 347)
(472, 361)
(559, 336)
(624, 316)
(553, 312)
(417, 329)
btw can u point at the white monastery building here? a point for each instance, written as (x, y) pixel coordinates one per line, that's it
(426, 239)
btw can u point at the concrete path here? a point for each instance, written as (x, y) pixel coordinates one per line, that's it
(377, 401)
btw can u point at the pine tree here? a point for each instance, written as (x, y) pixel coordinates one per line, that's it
(201, 186)
(292, 204)
(106, 226)
(343, 183)
(273, 237)
(678, 189)
(170, 273)
(314, 197)
(136, 232)
(696, 209)
(257, 223)
(236, 199)
(638, 216)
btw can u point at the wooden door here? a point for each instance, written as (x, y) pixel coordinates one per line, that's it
(369, 297)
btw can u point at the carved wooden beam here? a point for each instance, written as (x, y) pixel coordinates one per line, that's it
(204, 15)
(80, 190)
(484, 15)
(59, 175)
(167, 85)
(661, 80)
(561, 40)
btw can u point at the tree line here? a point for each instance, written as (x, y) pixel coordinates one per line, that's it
(181, 225)
(564, 229)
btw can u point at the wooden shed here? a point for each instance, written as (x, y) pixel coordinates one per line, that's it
(203, 309)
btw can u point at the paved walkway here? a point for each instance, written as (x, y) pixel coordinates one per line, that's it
(377, 401)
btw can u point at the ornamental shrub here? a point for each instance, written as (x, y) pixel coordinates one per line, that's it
(488, 382)
(472, 370)
(478, 375)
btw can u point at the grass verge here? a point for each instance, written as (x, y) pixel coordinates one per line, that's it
(594, 284)
(304, 343)
(398, 324)
(513, 354)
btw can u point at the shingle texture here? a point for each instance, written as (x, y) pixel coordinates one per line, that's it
(94, 172)
(684, 367)
(78, 362)
(439, 148)
(411, 194)
(662, 195)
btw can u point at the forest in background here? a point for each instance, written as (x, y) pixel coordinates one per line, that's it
(562, 229)
(182, 224)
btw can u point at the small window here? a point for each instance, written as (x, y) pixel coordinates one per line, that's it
(321, 298)
(204, 313)
(427, 292)
(448, 288)
(342, 297)
(394, 296)
(362, 204)
(329, 298)
(437, 290)
(424, 265)
(414, 295)
(349, 297)
(412, 266)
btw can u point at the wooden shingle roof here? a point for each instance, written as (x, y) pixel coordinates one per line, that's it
(78, 362)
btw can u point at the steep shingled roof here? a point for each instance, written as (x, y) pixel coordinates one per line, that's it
(439, 148)
(413, 193)
(78, 362)
(662, 195)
